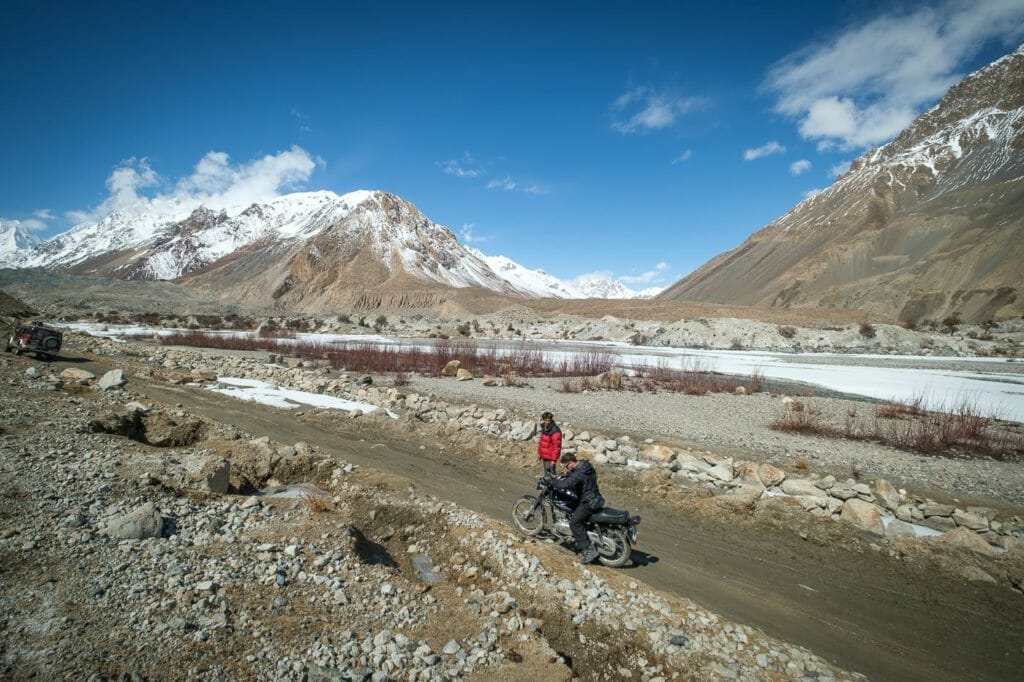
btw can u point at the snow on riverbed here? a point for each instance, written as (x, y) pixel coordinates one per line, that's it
(268, 394)
(988, 391)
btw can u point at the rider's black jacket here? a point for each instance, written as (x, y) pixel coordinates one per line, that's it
(582, 481)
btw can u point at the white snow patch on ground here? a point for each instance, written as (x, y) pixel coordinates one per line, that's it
(264, 393)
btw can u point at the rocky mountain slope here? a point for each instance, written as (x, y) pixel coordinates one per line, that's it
(928, 225)
(304, 249)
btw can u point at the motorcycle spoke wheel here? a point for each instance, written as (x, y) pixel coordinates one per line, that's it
(614, 551)
(527, 525)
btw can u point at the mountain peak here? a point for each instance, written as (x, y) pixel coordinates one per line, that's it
(925, 226)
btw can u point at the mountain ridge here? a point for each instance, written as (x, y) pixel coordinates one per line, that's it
(185, 243)
(927, 226)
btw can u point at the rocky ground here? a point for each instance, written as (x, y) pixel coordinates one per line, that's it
(131, 537)
(132, 534)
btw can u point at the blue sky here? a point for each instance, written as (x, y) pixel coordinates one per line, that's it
(638, 139)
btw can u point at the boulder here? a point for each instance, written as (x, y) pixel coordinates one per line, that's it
(463, 374)
(77, 375)
(897, 528)
(687, 462)
(770, 475)
(452, 368)
(974, 522)
(747, 476)
(137, 524)
(942, 523)
(962, 537)
(740, 390)
(722, 471)
(524, 430)
(933, 509)
(802, 486)
(864, 515)
(658, 453)
(887, 494)
(610, 379)
(490, 380)
(842, 492)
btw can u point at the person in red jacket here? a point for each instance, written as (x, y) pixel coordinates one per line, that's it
(550, 446)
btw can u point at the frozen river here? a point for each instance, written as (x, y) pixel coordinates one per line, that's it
(990, 386)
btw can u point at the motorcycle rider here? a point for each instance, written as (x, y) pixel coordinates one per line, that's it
(581, 478)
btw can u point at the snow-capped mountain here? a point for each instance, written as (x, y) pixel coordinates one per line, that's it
(15, 238)
(928, 225)
(540, 283)
(303, 249)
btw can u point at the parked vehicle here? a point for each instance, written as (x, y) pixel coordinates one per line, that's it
(612, 531)
(35, 338)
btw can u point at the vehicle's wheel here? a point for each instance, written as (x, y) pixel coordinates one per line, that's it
(50, 343)
(614, 551)
(524, 522)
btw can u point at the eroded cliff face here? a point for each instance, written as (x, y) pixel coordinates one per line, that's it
(929, 225)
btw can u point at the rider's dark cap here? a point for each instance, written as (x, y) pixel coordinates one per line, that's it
(568, 457)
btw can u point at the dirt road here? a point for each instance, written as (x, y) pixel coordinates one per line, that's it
(862, 612)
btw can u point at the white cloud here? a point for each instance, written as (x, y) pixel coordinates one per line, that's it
(468, 236)
(653, 275)
(867, 83)
(798, 167)
(644, 108)
(466, 167)
(838, 169)
(215, 182)
(812, 192)
(766, 149)
(595, 276)
(685, 156)
(29, 224)
(509, 185)
(506, 183)
(43, 214)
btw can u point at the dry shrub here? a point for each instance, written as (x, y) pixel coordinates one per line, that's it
(400, 379)
(787, 332)
(958, 432)
(901, 410)
(802, 419)
(316, 503)
(512, 379)
(567, 385)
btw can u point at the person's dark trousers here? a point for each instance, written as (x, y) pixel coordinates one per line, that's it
(550, 466)
(579, 531)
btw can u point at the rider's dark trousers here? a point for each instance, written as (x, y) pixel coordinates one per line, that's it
(550, 466)
(577, 522)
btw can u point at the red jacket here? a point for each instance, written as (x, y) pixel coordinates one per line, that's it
(550, 445)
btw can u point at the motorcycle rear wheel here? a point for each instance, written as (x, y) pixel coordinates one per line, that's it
(615, 551)
(527, 526)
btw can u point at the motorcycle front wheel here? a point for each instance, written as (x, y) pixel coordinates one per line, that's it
(614, 551)
(527, 525)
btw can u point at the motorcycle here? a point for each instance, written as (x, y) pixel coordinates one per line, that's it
(613, 532)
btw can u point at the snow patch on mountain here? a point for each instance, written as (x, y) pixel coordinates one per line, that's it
(182, 240)
(14, 239)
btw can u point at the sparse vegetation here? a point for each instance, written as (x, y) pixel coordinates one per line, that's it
(867, 330)
(316, 503)
(959, 432)
(951, 324)
(786, 331)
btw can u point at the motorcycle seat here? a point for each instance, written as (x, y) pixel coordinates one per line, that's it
(609, 515)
